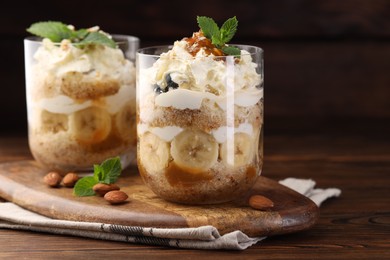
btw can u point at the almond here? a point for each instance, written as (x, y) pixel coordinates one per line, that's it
(53, 179)
(70, 179)
(260, 202)
(115, 196)
(102, 188)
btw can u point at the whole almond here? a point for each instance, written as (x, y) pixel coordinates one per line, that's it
(115, 196)
(102, 188)
(260, 202)
(70, 179)
(53, 179)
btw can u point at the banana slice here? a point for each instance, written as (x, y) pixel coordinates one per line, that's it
(90, 125)
(240, 153)
(194, 150)
(153, 152)
(53, 122)
(125, 123)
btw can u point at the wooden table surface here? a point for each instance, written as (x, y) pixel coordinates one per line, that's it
(350, 154)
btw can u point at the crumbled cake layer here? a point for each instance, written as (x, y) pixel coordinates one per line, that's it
(209, 117)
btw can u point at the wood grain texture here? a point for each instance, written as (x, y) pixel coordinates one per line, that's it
(348, 153)
(21, 182)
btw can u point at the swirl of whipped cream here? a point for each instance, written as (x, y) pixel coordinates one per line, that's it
(203, 76)
(205, 73)
(65, 57)
(93, 62)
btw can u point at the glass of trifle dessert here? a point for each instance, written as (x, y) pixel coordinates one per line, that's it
(200, 116)
(80, 91)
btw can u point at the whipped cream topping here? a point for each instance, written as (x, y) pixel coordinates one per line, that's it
(203, 76)
(97, 59)
(220, 134)
(95, 62)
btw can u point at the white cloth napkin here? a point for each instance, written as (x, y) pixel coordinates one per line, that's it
(306, 187)
(205, 237)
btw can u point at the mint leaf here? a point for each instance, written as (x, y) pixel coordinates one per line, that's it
(80, 34)
(216, 41)
(55, 31)
(231, 50)
(228, 29)
(98, 172)
(97, 38)
(208, 26)
(111, 169)
(220, 36)
(84, 186)
(107, 172)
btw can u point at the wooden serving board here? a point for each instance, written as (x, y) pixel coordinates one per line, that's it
(21, 182)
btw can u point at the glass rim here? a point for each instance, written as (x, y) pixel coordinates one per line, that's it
(140, 51)
(122, 38)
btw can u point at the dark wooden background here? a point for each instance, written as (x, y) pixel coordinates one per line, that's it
(327, 58)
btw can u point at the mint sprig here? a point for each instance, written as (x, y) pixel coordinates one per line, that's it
(220, 36)
(84, 186)
(55, 31)
(107, 172)
(228, 29)
(58, 31)
(97, 38)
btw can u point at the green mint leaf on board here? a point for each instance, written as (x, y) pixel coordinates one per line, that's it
(231, 50)
(107, 172)
(98, 173)
(228, 29)
(97, 38)
(55, 31)
(111, 170)
(84, 186)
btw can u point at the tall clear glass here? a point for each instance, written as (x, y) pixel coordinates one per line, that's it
(199, 124)
(80, 102)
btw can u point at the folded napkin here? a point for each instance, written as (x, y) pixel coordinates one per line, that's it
(205, 237)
